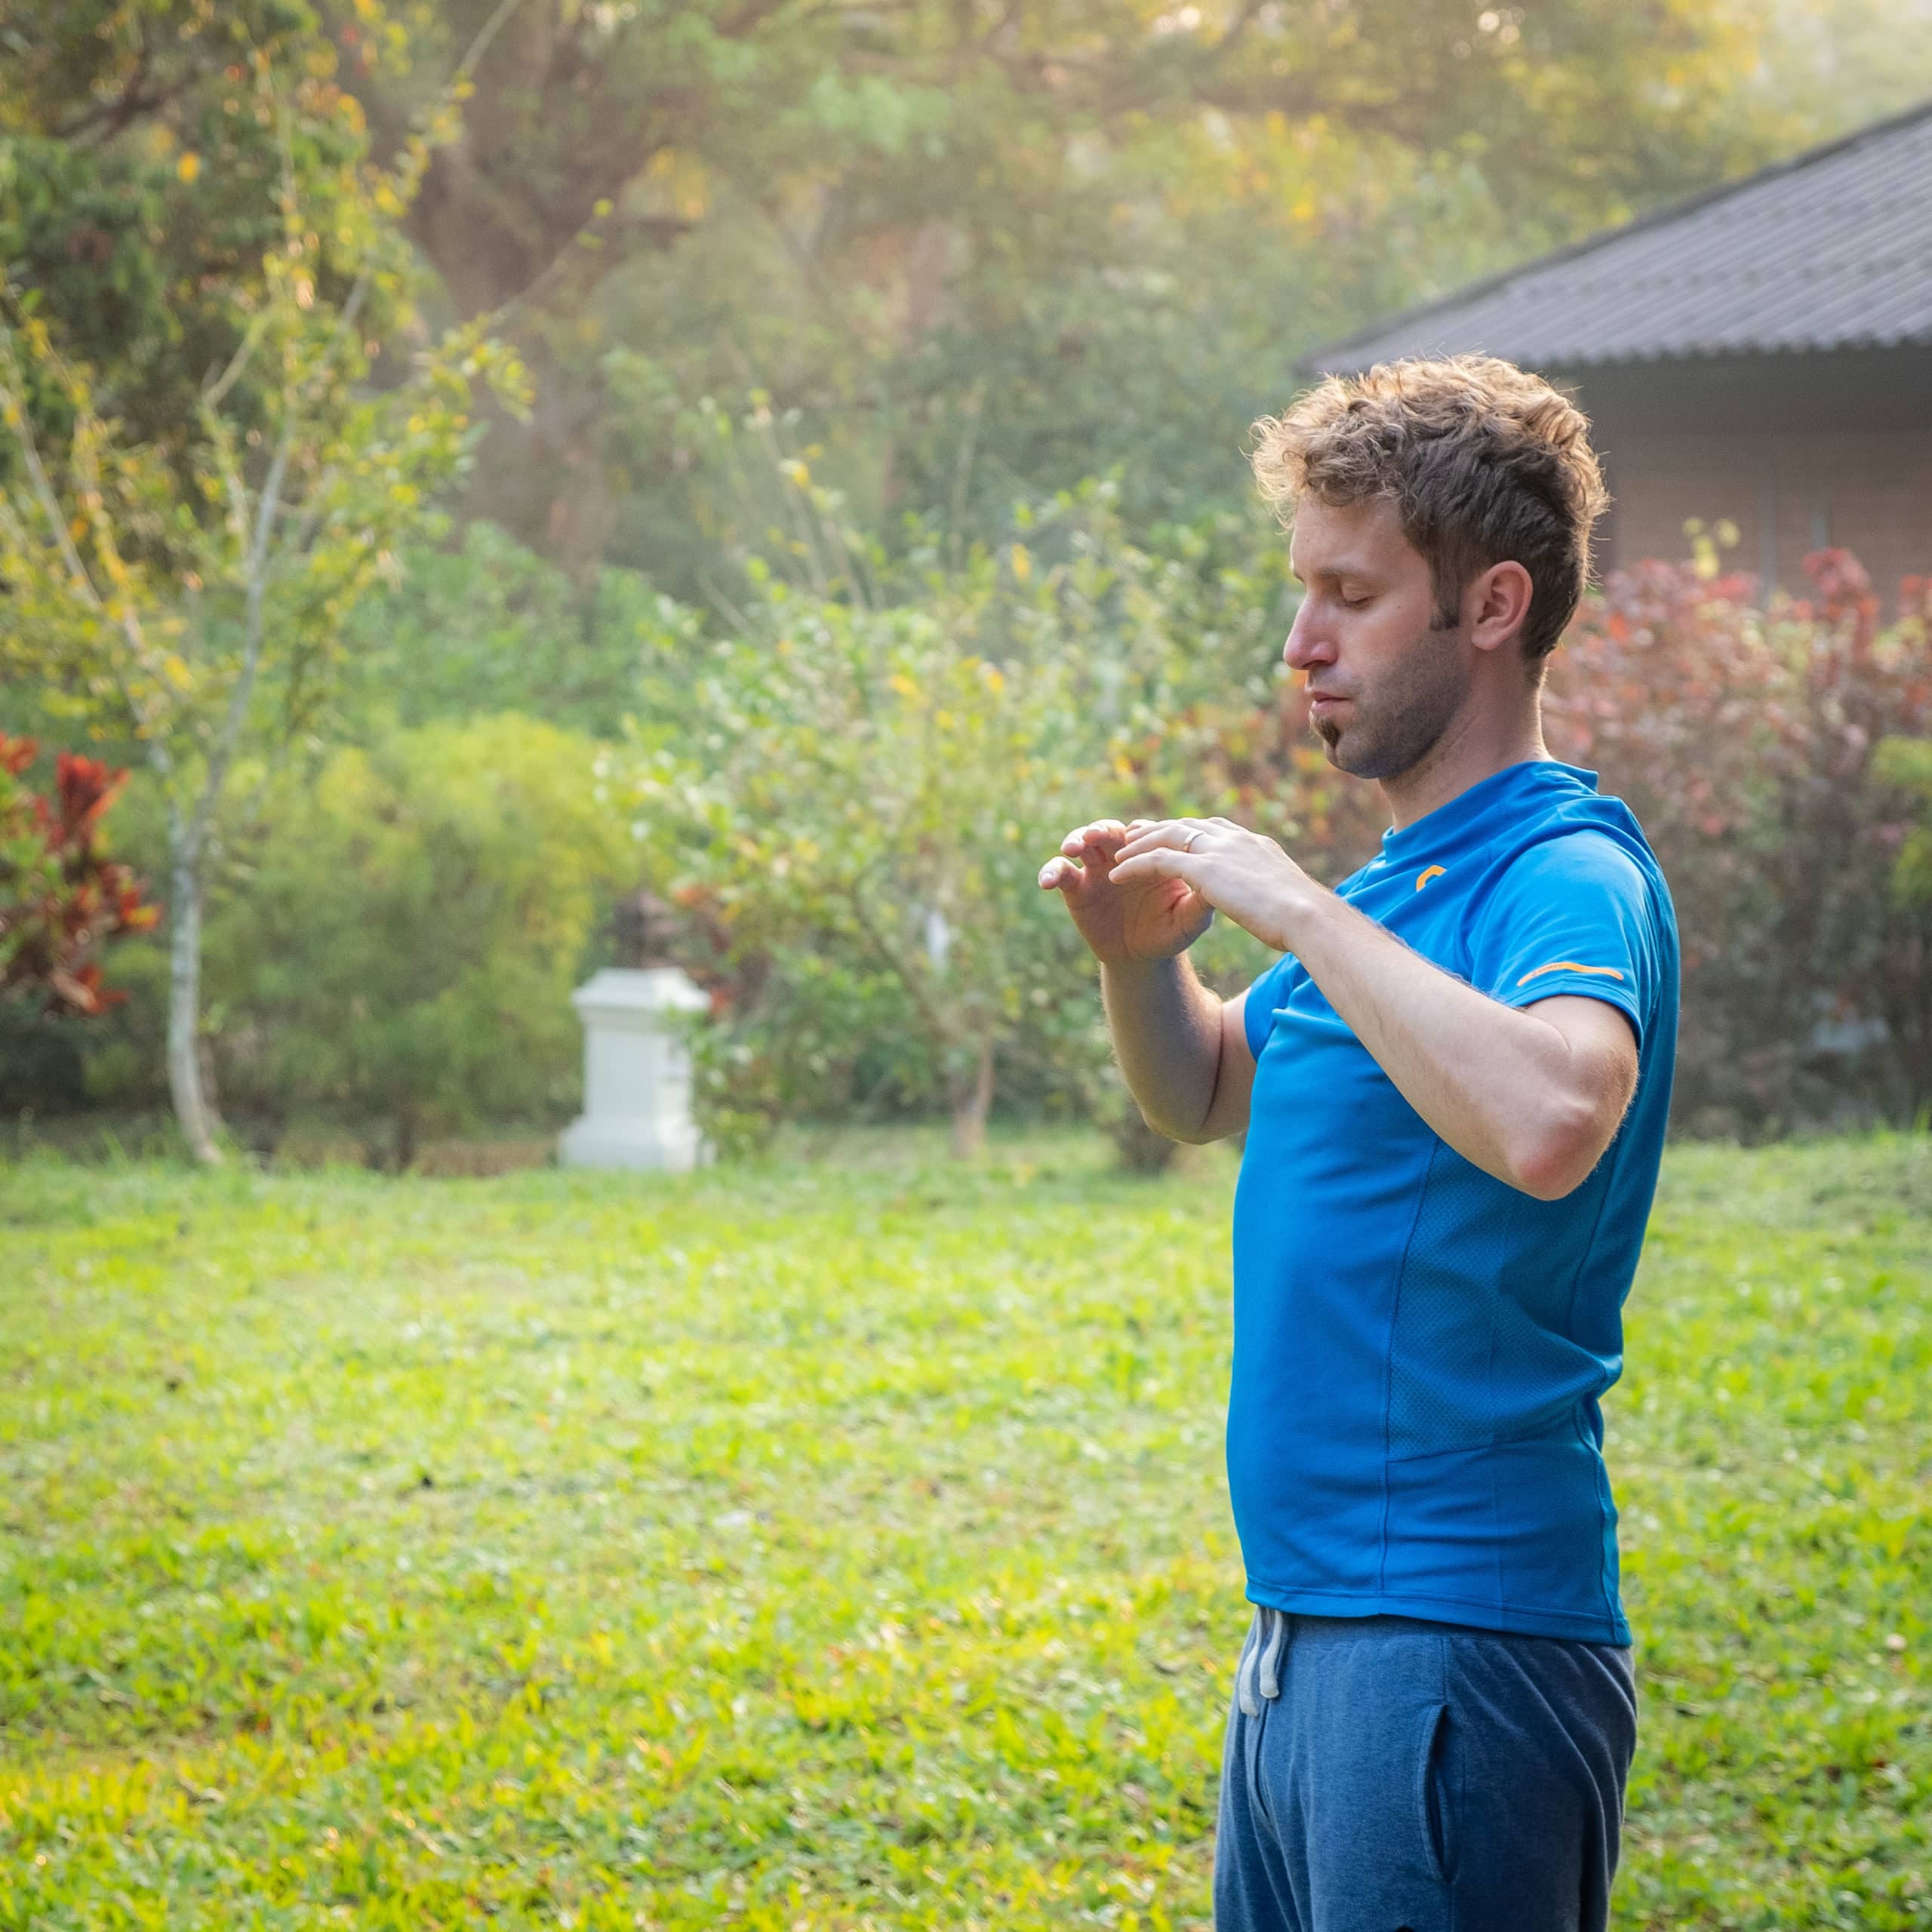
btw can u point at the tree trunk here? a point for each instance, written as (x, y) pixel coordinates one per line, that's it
(545, 479)
(972, 1101)
(192, 1108)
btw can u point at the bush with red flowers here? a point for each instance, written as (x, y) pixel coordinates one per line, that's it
(1743, 733)
(61, 898)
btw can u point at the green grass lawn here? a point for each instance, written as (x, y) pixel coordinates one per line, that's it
(820, 1545)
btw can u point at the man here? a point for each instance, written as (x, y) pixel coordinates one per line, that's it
(1453, 1085)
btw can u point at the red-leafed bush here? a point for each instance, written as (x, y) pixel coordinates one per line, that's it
(1742, 734)
(61, 897)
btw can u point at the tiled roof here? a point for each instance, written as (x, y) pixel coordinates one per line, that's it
(1830, 250)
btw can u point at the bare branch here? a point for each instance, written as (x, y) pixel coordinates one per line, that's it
(912, 977)
(223, 750)
(481, 44)
(43, 489)
(963, 470)
(128, 620)
(660, 231)
(723, 606)
(244, 350)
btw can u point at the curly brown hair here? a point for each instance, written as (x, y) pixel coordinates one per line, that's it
(1483, 461)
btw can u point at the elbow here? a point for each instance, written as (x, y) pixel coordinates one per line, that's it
(1167, 1130)
(1558, 1157)
(1548, 1181)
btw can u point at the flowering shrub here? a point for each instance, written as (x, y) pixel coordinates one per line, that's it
(61, 897)
(1743, 733)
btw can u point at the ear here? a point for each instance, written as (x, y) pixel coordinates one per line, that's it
(1496, 605)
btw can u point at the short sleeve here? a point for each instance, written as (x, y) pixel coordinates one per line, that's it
(1571, 914)
(1264, 995)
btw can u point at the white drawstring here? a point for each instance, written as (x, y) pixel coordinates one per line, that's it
(1262, 1652)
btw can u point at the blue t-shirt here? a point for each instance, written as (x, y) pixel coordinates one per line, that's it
(1420, 1348)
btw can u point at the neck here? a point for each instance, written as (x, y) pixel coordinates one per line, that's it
(1479, 741)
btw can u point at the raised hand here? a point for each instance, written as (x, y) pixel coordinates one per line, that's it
(1221, 864)
(1144, 917)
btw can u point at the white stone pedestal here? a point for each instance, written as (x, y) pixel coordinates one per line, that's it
(637, 1073)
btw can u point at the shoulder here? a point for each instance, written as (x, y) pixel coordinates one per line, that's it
(1578, 861)
(1576, 909)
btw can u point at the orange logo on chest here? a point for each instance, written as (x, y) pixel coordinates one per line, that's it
(1424, 878)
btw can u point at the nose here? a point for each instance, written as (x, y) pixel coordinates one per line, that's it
(1305, 646)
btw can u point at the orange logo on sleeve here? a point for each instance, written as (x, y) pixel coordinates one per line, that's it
(1422, 878)
(1568, 966)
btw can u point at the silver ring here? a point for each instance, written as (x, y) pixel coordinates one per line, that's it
(1187, 844)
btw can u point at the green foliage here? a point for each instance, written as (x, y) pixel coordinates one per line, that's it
(1014, 251)
(163, 618)
(179, 549)
(488, 626)
(405, 947)
(847, 1543)
(853, 792)
(1022, 247)
(141, 171)
(867, 794)
(180, 559)
(1836, 65)
(1907, 764)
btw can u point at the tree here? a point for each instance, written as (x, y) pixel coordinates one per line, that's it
(404, 946)
(868, 786)
(880, 213)
(1023, 245)
(141, 179)
(853, 791)
(62, 898)
(185, 592)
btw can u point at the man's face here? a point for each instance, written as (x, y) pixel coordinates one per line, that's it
(1382, 685)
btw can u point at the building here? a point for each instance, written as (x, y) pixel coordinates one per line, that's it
(1761, 353)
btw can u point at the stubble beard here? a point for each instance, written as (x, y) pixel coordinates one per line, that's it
(1391, 729)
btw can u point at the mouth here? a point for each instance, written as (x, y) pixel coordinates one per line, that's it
(1324, 701)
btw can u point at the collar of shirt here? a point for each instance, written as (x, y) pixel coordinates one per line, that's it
(1454, 821)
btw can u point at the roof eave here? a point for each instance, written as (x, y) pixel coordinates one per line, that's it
(1341, 355)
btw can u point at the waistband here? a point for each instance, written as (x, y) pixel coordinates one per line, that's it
(1258, 1676)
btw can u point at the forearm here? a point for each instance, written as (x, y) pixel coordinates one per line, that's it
(1497, 1084)
(1167, 1035)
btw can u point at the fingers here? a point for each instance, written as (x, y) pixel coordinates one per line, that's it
(1085, 856)
(1094, 845)
(1151, 834)
(1100, 829)
(1157, 862)
(1095, 853)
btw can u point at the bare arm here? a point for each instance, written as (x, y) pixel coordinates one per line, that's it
(1532, 1095)
(1182, 1051)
